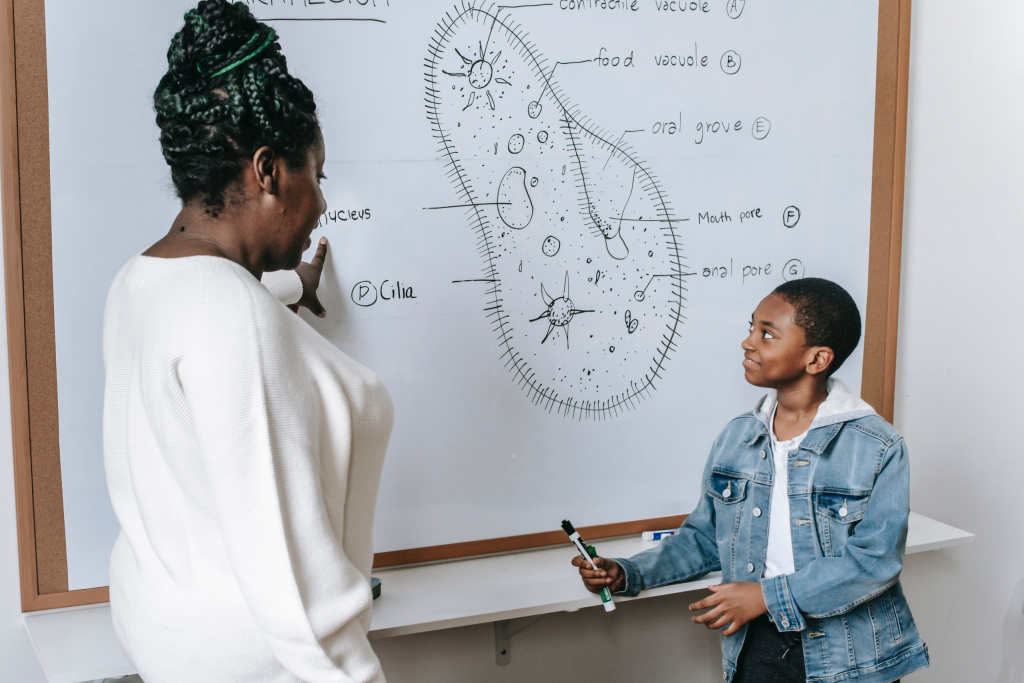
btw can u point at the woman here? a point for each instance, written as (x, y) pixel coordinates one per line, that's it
(243, 451)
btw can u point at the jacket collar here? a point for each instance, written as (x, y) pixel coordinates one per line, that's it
(841, 406)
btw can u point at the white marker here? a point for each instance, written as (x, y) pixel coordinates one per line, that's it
(658, 535)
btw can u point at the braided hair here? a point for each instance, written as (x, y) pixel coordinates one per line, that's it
(227, 92)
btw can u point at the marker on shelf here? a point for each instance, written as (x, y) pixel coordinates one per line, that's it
(658, 535)
(589, 553)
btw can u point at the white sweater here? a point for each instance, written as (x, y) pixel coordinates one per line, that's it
(243, 454)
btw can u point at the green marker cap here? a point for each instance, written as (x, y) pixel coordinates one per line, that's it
(606, 595)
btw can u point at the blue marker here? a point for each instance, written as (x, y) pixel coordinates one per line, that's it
(658, 535)
(588, 554)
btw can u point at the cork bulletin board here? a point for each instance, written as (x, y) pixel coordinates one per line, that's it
(33, 326)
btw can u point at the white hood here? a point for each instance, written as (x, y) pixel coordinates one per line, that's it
(841, 405)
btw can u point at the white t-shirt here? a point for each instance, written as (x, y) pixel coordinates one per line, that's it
(779, 558)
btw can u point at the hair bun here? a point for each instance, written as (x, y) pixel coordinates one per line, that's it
(227, 92)
(214, 34)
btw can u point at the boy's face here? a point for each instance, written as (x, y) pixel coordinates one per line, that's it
(775, 353)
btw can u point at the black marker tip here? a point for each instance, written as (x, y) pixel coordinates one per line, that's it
(567, 527)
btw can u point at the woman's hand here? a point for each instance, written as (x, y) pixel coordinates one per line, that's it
(310, 274)
(732, 604)
(605, 574)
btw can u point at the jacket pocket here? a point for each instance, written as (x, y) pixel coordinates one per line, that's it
(727, 491)
(892, 616)
(838, 514)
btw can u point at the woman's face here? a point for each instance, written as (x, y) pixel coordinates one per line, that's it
(302, 203)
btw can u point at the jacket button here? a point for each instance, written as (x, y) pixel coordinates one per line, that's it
(726, 493)
(843, 512)
(750, 566)
(763, 454)
(785, 622)
(757, 512)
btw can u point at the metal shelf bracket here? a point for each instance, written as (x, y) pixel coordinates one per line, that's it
(503, 632)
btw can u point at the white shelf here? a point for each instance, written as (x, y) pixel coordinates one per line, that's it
(78, 644)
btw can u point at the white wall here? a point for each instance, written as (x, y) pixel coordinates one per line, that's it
(962, 315)
(958, 378)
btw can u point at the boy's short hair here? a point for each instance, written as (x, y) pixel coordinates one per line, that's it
(826, 313)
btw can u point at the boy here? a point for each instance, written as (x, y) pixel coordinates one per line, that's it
(804, 510)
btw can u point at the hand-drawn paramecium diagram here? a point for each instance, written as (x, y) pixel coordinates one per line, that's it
(571, 224)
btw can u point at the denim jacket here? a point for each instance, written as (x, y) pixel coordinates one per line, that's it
(849, 503)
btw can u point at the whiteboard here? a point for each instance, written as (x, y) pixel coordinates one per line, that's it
(549, 225)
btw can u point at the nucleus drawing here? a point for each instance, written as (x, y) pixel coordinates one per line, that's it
(559, 313)
(571, 224)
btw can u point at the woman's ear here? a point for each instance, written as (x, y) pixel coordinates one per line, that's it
(820, 360)
(264, 166)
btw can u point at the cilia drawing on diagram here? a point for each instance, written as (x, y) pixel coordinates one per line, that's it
(583, 270)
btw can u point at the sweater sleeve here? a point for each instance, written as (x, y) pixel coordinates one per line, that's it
(285, 285)
(257, 422)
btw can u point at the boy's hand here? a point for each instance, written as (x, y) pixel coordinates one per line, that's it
(605, 574)
(732, 604)
(310, 273)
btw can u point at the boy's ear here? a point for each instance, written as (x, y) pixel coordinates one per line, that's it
(820, 359)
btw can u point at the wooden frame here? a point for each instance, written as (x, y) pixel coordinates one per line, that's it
(25, 191)
(24, 145)
(878, 381)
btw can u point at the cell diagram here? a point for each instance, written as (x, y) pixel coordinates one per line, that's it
(583, 267)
